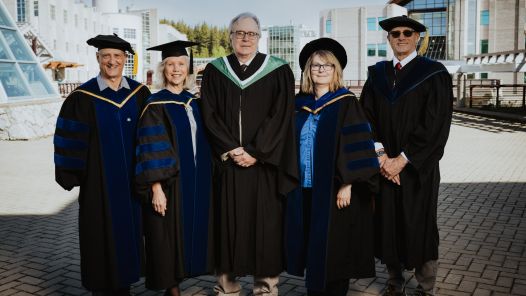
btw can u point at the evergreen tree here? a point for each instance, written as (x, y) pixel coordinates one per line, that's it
(214, 41)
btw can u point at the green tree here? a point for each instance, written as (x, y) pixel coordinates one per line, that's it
(214, 41)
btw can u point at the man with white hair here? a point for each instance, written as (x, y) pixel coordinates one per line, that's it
(247, 106)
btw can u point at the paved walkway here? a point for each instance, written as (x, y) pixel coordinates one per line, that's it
(481, 217)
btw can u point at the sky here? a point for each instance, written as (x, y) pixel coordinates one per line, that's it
(270, 12)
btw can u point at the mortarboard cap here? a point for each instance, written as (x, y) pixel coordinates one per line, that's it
(323, 44)
(401, 21)
(110, 41)
(175, 49)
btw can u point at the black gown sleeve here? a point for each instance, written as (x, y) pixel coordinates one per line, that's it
(271, 137)
(426, 143)
(356, 159)
(72, 140)
(155, 153)
(220, 137)
(367, 102)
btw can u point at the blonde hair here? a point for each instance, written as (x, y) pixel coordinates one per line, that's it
(307, 85)
(160, 79)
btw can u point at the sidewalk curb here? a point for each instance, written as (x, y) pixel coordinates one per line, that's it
(491, 114)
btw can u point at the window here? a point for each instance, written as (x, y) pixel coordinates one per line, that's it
(35, 8)
(128, 67)
(484, 46)
(54, 44)
(483, 75)
(65, 16)
(76, 18)
(371, 24)
(21, 10)
(129, 33)
(52, 11)
(382, 49)
(484, 17)
(21, 76)
(328, 26)
(371, 50)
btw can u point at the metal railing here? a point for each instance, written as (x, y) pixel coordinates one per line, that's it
(498, 96)
(66, 88)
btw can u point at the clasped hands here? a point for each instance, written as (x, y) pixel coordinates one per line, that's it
(390, 168)
(241, 157)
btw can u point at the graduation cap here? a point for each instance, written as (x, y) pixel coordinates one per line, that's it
(176, 49)
(405, 21)
(401, 21)
(110, 41)
(323, 44)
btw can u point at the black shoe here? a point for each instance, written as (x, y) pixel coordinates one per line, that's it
(391, 291)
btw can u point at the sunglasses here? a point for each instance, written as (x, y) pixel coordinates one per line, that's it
(396, 34)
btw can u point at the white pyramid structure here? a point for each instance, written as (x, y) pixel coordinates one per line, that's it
(29, 102)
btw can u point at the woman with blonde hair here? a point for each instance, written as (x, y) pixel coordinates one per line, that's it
(173, 173)
(329, 222)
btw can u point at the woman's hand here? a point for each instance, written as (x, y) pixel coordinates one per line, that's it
(158, 199)
(343, 199)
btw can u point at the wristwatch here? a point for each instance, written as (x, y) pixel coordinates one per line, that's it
(380, 153)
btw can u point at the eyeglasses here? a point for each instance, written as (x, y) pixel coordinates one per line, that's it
(318, 67)
(242, 34)
(396, 34)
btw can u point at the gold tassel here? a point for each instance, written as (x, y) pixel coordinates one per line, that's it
(424, 44)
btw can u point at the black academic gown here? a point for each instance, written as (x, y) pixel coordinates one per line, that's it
(414, 117)
(95, 149)
(253, 109)
(330, 243)
(180, 244)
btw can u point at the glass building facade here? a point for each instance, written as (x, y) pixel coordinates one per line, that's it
(434, 14)
(285, 42)
(21, 76)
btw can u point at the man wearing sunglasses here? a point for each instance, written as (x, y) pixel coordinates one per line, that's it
(409, 102)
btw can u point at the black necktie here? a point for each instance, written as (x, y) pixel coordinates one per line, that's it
(243, 67)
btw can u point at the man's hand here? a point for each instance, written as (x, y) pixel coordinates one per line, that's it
(343, 198)
(244, 160)
(382, 159)
(392, 167)
(235, 152)
(158, 199)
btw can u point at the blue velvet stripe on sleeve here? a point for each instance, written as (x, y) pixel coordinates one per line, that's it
(359, 146)
(363, 163)
(69, 162)
(152, 147)
(154, 164)
(356, 128)
(66, 143)
(148, 131)
(72, 125)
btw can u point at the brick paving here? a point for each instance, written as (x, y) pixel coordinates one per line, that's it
(481, 218)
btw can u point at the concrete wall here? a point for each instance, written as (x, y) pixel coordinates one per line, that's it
(28, 120)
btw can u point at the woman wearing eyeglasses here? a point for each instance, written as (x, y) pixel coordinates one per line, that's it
(329, 226)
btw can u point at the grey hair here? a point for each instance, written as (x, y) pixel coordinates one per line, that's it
(241, 16)
(160, 79)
